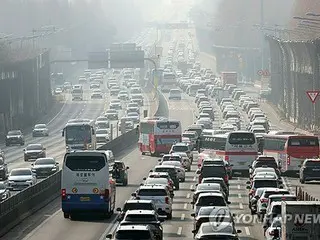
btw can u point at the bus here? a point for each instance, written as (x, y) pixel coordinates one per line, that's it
(290, 149)
(241, 150)
(213, 146)
(86, 185)
(168, 81)
(157, 135)
(79, 134)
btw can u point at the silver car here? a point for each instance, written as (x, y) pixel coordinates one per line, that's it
(40, 130)
(21, 178)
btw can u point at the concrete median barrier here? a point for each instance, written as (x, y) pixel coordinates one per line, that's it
(163, 109)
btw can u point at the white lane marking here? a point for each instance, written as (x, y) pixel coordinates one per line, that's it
(183, 216)
(185, 206)
(41, 225)
(239, 187)
(57, 115)
(238, 178)
(239, 195)
(194, 178)
(188, 195)
(240, 205)
(191, 187)
(246, 229)
(179, 231)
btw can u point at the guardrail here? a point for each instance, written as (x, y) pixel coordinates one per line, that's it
(304, 196)
(25, 203)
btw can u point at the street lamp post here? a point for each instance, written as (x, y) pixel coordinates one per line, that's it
(262, 32)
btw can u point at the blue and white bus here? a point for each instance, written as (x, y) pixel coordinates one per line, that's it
(79, 134)
(86, 185)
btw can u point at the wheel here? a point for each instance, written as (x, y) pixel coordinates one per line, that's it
(183, 179)
(22, 143)
(7, 144)
(143, 153)
(66, 215)
(169, 216)
(252, 212)
(189, 169)
(302, 180)
(177, 187)
(125, 183)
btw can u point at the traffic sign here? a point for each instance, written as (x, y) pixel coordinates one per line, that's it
(98, 60)
(127, 59)
(313, 95)
(264, 73)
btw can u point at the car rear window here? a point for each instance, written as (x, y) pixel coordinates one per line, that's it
(137, 206)
(133, 234)
(180, 148)
(171, 158)
(313, 163)
(140, 218)
(152, 192)
(279, 199)
(211, 201)
(216, 171)
(269, 163)
(267, 194)
(265, 183)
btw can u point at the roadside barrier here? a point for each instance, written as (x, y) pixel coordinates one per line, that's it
(304, 196)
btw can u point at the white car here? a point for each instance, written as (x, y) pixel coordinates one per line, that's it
(21, 178)
(97, 94)
(135, 117)
(276, 224)
(181, 173)
(186, 160)
(175, 94)
(102, 122)
(40, 130)
(102, 135)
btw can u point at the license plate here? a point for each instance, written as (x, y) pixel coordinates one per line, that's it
(84, 199)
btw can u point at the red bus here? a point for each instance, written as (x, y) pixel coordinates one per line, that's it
(290, 149)
(157, 135)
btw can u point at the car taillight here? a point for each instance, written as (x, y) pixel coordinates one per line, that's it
(263, 200)
(63, 194)
(106, 195)
(288, 160)
(200, 179)
(226, 178)
(167, 200)
(226, 158)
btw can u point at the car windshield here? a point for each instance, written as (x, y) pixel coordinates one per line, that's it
(34, 147)
(208, 187)
(15, 132)
(162, 181)
(133, 235)
(189, 135)
(102, 131)
(138, 206)
(268, 193)
(211, 201)
(140, 218)
(20, 172)
(40, 126)
(265, 183)
(178, 148)
(270, 163)
(102, 119)
(45, 161)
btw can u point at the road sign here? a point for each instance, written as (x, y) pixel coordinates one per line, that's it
(264, 73)
(127, 59)
(313, 95)
(98, 60)
(129, 46)
(116, 47)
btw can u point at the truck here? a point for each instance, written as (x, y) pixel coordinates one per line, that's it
(300, 220)
(229, 78)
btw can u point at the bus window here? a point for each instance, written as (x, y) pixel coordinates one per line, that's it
(303, 142)
(242, 138)
(146, 128)
(84, 163)
(274, 144)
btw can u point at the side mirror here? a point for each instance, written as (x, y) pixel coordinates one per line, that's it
(192, 203)
(228, 202)
(57, 163)
(134, 194)
(62, 133)
(249, 166)
(248, 187)
(193, 214)
(198, 171)
(151, 170)
(118, 209)
(194, 231)
(159, 160)
(281, 187)
(248, 182)
(109, 236)
(24, 150)
(144, 178)
(239, 231)
(32, 164)
(192, 190)
(127, 168)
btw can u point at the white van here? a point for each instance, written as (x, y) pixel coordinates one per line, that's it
(86, 186)
(175, 94)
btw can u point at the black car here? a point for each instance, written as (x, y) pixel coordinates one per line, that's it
(213, 170)
(4, 192)
(120, 173)
(45, 167)
(14, 137)
(309, 170)
(3, 169)
(135, 205)
(34, 151)
(145, 217)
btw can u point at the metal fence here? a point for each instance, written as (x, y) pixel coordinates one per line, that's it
(294, 71)
(304, 196)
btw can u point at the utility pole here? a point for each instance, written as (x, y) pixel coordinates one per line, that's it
(262, 32)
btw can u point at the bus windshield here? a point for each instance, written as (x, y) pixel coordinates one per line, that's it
(242, 138)
(216, 143)
(78, 134)
(85, 163)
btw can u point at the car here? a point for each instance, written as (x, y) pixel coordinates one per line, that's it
(21, 178)
(206, 188)
(137, 98)
(179, 167)
(4, 192)
(159, 194)
(164, 175)
(224, 230)
(133, 109)
(135, 205)
(219, 180)
(34, 151)
(44, 167)
(58, 91)
(126, 124)
(40, 130)
(102, 135)
(3, 169)
(14, 137)
(114, 91)
(263, 169)
(95, 85)
(135, 117)
(123, 95)
(193, 136)
(182, 147)
(132, 232)
(276, 224)
(111, 114)
(209, 199)
(213, 170)
(309, 170)
(186, 160)
(253, 202)
(207, 214)
(175, 94)
(97, 94)
(135, 105)
(120, 172)
(102, 122)
(262, 182)
(115, 106)
(144, 217)
(158, 181)
(172, 171)
(218, 161)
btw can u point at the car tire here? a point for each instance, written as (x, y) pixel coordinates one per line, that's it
(26, 160)
(22, 143)
(302, 180)
(189, 168)
(66, 215)
(7, 144)
(183, 179)
(125, 182)
(177, 187)
(253, 212)
(169, 216)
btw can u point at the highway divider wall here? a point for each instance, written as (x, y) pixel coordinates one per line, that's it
(18, 207)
